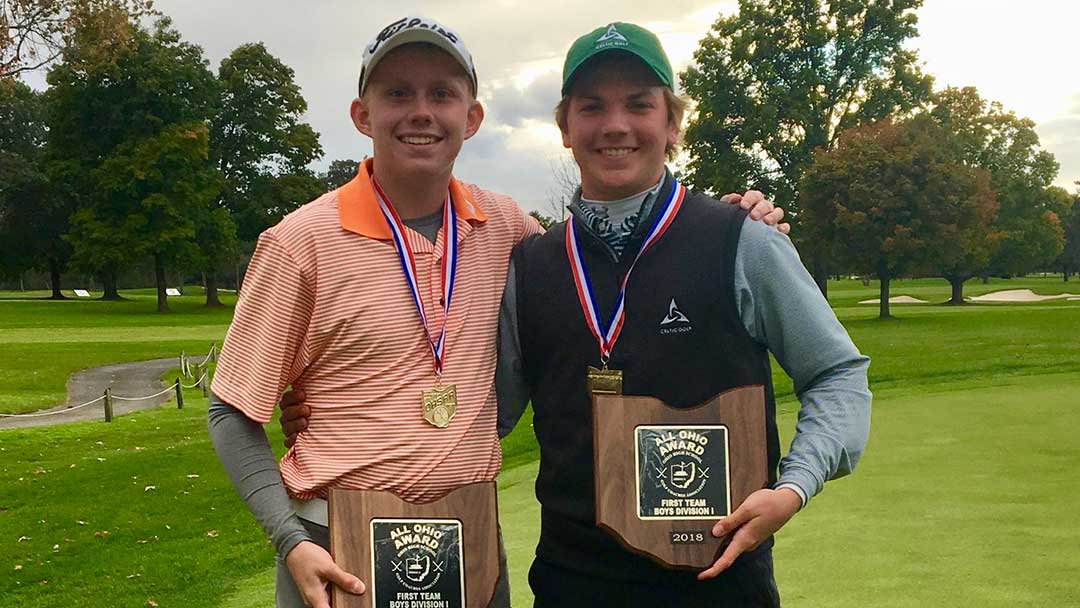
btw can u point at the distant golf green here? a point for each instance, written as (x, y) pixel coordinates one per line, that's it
(965, 496)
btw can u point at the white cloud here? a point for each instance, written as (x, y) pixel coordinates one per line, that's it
(1061, 136)
(1019, 54)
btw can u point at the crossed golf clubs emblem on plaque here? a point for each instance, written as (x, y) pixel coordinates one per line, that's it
(417, 568)
(683, 473)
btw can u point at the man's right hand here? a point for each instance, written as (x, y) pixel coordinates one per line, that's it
(312, 569)
(294, 415)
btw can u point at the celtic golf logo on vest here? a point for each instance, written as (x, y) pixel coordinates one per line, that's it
(675, 322)
(681, 472)
(417, 566)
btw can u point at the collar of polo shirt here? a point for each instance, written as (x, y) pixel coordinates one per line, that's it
(359, 211)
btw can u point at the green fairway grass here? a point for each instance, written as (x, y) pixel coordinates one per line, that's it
(965, 496)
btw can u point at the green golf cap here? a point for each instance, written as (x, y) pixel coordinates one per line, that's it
(625, 37)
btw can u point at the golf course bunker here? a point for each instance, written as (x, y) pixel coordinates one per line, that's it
(896, 300)
(1021, 295)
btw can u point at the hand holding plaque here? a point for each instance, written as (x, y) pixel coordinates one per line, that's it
(665, 475)
(312, 568)
(759, 517)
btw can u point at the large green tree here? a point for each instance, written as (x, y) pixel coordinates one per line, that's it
(215, 234)
(966, 236)
(892, 197)
(258, 137)
(165, 184)
(1021, 174)
(32, 216)
(261, 146)
(124, 105)
(780, 79)
(22, 124)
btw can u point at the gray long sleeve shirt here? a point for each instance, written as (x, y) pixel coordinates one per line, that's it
(781, 308)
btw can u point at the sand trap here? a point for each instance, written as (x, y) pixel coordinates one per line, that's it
(896, 300)
(1021, 295)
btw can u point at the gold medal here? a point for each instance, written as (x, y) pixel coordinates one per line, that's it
(609, 381)
(440, 405)
(603, 381)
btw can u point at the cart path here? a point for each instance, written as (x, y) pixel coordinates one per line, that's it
(134, 379)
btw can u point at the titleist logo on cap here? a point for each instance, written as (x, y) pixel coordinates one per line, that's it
(407, 23)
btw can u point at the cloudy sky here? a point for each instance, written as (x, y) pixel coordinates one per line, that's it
(1019, 52)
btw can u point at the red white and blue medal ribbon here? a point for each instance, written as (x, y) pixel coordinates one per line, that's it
(608, 333)
(408, 266)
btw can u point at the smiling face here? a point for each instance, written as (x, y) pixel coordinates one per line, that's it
(617, 125)
(417, 108)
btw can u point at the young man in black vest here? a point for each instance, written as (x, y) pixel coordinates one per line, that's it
(705, 296)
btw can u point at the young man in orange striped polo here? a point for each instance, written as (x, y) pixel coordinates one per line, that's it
(364, 298)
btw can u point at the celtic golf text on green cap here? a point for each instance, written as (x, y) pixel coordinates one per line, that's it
(625, 37)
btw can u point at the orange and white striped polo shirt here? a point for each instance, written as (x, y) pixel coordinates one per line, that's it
(325, 307)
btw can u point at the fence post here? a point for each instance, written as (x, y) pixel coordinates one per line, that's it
(213, 352)
(183, 363)
(108, 405)
(203, 382)
(179, 395)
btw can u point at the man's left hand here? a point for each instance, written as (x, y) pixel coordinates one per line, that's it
(760, 208)
(758, 517)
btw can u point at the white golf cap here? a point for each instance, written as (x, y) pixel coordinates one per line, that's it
(415, 29)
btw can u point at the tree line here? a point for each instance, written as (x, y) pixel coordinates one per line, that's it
(137, 150)
(825, 107)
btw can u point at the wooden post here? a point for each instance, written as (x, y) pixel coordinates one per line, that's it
(213, 352)
(203, 382)
(108, 405)
(179, 395)
(183, 363)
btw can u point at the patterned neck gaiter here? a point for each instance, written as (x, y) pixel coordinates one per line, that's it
(615, 221)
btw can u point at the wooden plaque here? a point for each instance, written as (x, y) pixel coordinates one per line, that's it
(665, 475)
(443, 553)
